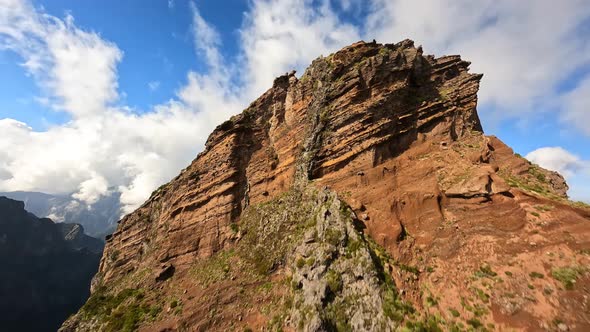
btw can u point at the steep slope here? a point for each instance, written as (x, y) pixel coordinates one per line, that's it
(45, 275)
(362, 196)
(98, 220)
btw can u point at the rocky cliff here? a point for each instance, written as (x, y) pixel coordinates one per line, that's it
(45, 270)
(361, 196)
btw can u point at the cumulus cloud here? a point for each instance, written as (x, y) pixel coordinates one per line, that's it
(103, 146)
(557, 159)
(280, 35)
(572, 167)
(106, 147)
(92, 189)
(524, 48)
(76, 68)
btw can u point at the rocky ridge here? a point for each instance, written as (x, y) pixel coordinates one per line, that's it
(361, 196)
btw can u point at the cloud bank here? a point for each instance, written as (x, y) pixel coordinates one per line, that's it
(572, 167)
(107, 146)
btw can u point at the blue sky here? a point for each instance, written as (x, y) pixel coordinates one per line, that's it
(162, 65)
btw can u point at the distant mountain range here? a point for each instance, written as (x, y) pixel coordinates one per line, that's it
(45, 269)
(98, 220)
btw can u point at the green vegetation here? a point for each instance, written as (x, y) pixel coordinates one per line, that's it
(567, 275)
(121, 312)
(336, 315)
(276, 323)
(537, 173)
(213, 269)
(324, 116)
(334, 280)
(352, 246)
(429, 324)
(114, 255)
(527, 185)
(333, 236)
(393, 305)
(580, 204)
(161, 189)
(444, 93)
(536, 181)
(454, 312)
(264, 226)
(536, 275)
(485, 271)
(300, 262)
(431, 301)
(544, 208)
(478, 310)
(481, 295)
(475, 323)
(408, 268)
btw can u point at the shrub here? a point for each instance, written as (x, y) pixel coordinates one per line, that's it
(485, 271)
(566, 275)
(334, 280)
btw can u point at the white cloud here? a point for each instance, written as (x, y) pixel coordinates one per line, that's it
(577, 107)
(280, 35)
(524, 48)
(557, 159)
(107, 146)
(350, 5)
(76, 68)
(103, 146)
(207, 40)
(572, 167)
(170, 4)
(92, 189)
(154, 85)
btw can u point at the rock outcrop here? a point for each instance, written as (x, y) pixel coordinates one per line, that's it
(77, 240)
(361, 196)
(45, 272)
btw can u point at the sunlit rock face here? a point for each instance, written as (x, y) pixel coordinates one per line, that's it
(363, 195)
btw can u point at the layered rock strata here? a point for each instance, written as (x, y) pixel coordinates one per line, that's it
(425, 222)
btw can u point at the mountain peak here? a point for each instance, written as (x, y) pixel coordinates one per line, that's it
(329, 195)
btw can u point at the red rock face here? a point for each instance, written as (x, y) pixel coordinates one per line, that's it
(396, 135)
(354, 111)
